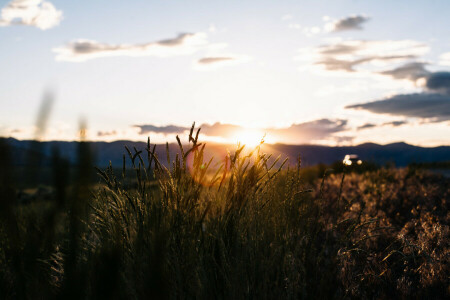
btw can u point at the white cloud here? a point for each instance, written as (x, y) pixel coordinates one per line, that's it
(38, 13)
(307, 31)
(183, 44)
(445, 59)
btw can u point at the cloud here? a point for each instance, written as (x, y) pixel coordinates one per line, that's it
(106, 133)
(445, 59)
(348, 23)
(371, 125)
(431, 106)
(213, 62)
(219, 129)
(169, 129)
(38, 13)
(366, 126)
(307, 31)
(182, 44)
(343, 139)
(347, 55)
(310, 131)
(395, 123)
(439, 82)
(410, 71)
(307, 132)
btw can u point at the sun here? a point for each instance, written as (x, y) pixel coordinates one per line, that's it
(248, 137)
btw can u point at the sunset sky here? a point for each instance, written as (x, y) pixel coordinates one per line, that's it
(317, 72)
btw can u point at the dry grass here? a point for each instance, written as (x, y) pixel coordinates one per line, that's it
(242, 228)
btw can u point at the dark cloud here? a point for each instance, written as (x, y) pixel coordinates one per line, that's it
(349, 23)
(371, 125)
(212, 60)
(434, 81)
(410, 71)
(366, 126)
(432, 106)
(82, 50)
(395, 123)
(439, 82)
(169, 129)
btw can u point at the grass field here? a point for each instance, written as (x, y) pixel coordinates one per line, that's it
(246, 227)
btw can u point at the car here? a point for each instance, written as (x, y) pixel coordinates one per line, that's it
(351, 159)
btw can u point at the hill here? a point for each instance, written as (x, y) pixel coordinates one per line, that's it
(401, 154)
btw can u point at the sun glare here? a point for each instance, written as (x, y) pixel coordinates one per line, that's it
(249, 137)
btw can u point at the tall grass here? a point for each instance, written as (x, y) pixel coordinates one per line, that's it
(241, 227)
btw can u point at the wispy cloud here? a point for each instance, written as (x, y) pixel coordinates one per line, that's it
(366, 126)
(391, 124)
(347, 23)
(213, 62)
(395, 123)
(37, 13)
(350, 56)
(410, 71)
(182, 44)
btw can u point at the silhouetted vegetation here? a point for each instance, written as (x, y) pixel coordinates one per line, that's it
(245, 227)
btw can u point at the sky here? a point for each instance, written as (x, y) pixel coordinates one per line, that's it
(296, 72)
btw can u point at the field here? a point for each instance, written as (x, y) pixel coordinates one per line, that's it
(247, 227)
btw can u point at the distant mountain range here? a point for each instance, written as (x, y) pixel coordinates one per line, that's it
(401, 154)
